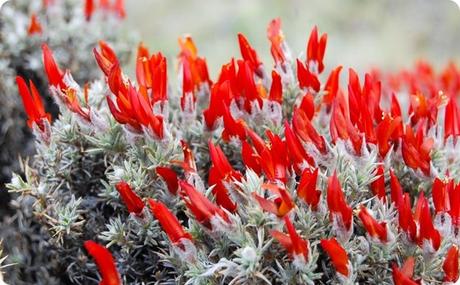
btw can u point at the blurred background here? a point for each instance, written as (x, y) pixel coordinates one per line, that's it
(390, 34)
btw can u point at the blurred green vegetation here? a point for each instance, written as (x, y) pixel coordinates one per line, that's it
(362, 33)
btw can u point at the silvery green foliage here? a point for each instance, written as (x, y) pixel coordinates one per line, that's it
(72, 37)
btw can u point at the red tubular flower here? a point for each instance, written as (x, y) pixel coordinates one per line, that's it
(450, 265)
(32, 104)
(55, 75)
(257, 141)
(119, 8)
(306, 189)
(233, 128)
(440, 194)
(247, 88)
(169, 223)
(276, 38)
(248, 53)
(316, 49)
(250, 158)
(395, 107)
(221, 96)
(195, 68)
(452, 120)
(405, 218)
(188, 98)
(132, 202)
(188, 164)
(105, 263)
(306, 78)
(305, 130)
(281, 205)
(338, 207)
(371, 97)
(454, 196)
(355, 96)
(296, 151)
(396, 189)
(67, 94)
(337, 254)
(223, 168)
(134, 110)
(388, 130)
(332, 85)
(416, 150)
(200, 206)
(34, 25)
(307, 105)
(427, 232)
(341, 126)
(292, 242)
(419, 107)
(106, 58)
(221, 175)
(276, 90)
(170, 177)
(151, 73)
(158, 66)
(375, 229)
(143, 72)
(378, 186)
(116, 82)
(89, 9)
(274, 159)
(403, 275)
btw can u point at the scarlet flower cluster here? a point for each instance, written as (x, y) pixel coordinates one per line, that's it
(117, 7)
(296, 155)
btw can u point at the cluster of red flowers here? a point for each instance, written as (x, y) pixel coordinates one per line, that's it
(116, 7)
(368, 116)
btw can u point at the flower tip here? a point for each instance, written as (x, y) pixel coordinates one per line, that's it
(104, 261)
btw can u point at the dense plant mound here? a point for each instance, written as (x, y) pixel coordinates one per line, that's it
(260, 175)
(71, 28)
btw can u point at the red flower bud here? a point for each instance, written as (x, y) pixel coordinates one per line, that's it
(170, 177)
(200, 206)
(105, 263)
(450, 265)
(292, 242)
(32, 104)
(248, 53)
(375, 229)
(307, 188)
(337, 254)
(276, 38)
(338, 207)
(169, 222)
(378, 186)
(34, 25)
(316, 49)
(132, 202)
(106, 58)
(276, 89)
(55, 75)
(403, 275)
